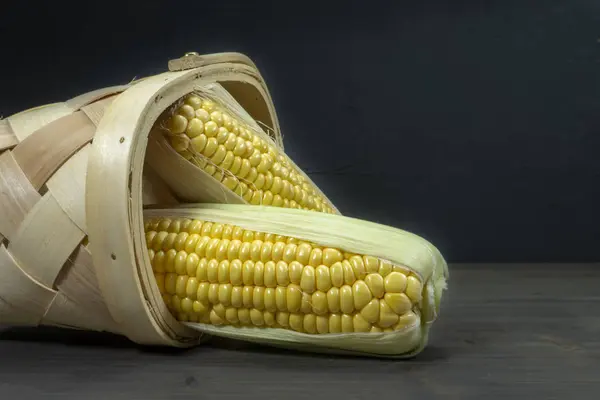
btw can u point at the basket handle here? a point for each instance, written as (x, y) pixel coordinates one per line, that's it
(193, 60)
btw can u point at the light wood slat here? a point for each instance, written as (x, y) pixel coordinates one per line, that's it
(21, 290)
(95, 111)
(45, 150)
(154, 189)
(17, 195)
(194, 60)
(26, 122)
(54, 236)
(77, 280)
(64, 312)
(7, 136)
(83, 100)
(12, 315)
(67, 185)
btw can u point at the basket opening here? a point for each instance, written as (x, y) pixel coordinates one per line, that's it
(168, 178)
(180, 167)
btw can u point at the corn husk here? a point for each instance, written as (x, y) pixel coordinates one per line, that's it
(348, 234)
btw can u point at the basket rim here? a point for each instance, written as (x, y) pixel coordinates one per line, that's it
(114, 207)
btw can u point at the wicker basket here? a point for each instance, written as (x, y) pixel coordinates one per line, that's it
(75, 171)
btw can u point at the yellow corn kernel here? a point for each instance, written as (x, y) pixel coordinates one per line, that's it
(226, 275)
(206, 133)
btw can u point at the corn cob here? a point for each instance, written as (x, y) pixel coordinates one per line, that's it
(214, 139)
(222, 275)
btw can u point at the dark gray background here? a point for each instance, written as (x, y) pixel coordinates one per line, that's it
(472, 123)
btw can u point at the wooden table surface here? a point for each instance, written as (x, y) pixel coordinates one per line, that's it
(506, 331)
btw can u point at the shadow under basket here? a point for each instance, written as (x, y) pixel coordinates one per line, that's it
(78, 180)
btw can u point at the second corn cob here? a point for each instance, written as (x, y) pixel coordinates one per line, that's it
(203, 131)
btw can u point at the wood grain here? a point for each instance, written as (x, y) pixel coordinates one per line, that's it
(154, 189)
(21, 290)
(96, 110)
(518, 331)
(66, 313)
(45, 150)
(7, 137)
(17, 195)
(67, 186)
(10, 314)
(26, 122)
(55, 237)
(79, 276)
